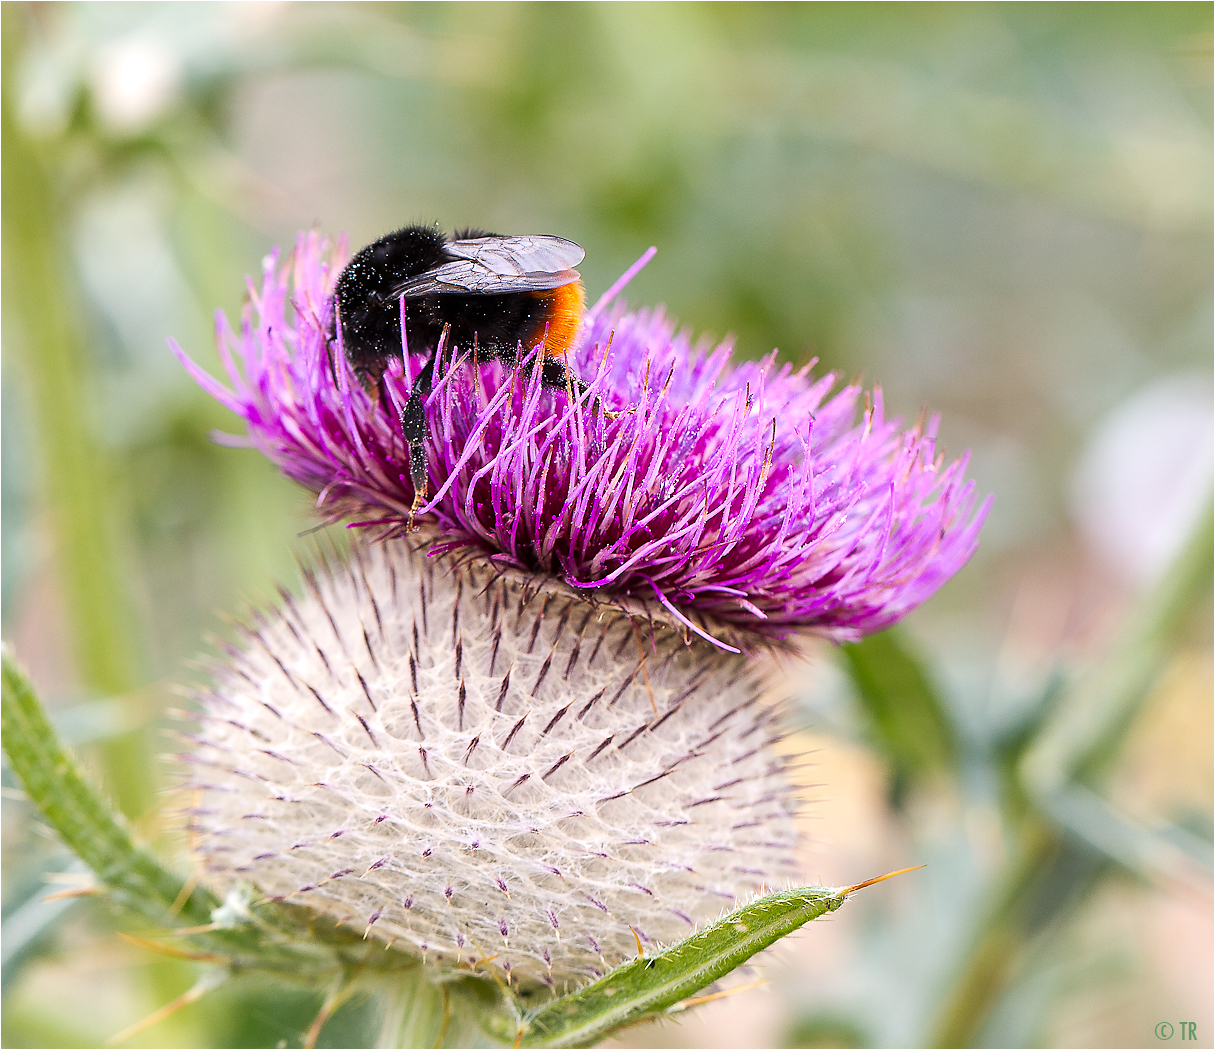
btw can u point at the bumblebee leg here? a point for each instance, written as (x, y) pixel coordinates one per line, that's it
(413, 429)
(610, 414)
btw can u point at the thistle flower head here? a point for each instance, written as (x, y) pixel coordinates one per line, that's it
(529, 736)
(746, 495)
(474, 763)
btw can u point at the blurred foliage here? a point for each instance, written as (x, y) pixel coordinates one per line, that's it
(1002, 212)
(913, 729)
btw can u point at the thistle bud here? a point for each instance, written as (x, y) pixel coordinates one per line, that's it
(475, 763)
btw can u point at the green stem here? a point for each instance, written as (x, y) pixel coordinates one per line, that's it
(40, 304)
(413, 1012)
(993, 956)
(1090, 725)
(88, 826)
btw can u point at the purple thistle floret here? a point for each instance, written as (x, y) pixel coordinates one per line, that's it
(744, 493)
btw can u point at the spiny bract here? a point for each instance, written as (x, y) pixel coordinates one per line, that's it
(477, 763)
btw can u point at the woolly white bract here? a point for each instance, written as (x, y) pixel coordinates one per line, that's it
(475, 764)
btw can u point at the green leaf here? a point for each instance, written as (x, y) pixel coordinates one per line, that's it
(903, 706)
(653, 983)
(85, 822)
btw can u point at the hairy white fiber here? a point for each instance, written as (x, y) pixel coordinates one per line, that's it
(473, 763)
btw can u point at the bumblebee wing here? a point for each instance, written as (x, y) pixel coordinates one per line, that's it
(519, 255)
(497, 265)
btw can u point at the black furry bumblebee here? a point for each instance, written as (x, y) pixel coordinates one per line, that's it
(495, 293)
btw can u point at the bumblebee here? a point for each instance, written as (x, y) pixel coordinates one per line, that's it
(487, 291)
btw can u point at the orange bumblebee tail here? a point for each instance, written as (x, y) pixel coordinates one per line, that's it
(563, 316)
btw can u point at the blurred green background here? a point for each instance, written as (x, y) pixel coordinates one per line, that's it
(1002, 212)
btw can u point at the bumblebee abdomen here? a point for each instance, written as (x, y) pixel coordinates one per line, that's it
(497, 322)
(498, 292)
(563, 315)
